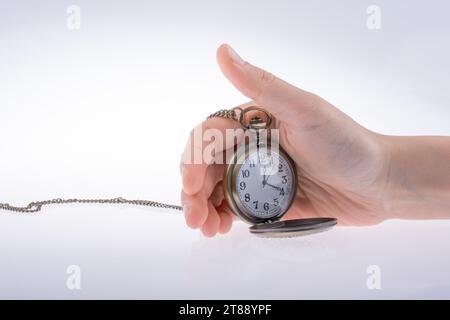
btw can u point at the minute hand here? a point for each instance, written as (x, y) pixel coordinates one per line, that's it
(275, 187)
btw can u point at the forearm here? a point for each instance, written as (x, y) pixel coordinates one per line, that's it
(418, 177)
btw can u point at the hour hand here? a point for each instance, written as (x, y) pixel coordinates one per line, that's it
(264, 181)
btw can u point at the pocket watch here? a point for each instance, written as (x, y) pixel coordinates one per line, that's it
(260, 182)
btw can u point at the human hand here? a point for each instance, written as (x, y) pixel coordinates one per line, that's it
(344, 170)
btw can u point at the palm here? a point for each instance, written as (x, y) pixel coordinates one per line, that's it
(338, 177)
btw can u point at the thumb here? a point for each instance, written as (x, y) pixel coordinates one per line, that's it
(280, 98)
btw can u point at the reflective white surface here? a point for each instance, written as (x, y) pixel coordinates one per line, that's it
(134, 253)
(105, 112)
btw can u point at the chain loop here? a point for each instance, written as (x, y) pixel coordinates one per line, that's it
(36, 206)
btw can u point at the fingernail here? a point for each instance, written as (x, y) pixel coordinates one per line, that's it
(234, 56)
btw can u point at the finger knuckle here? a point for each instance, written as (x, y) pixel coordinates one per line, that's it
(266, 79)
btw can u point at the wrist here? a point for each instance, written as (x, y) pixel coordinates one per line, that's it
(417, 177)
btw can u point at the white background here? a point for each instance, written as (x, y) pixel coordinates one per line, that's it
(105, 111)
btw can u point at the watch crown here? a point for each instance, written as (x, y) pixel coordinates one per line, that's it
(255, 119)
(257, 123)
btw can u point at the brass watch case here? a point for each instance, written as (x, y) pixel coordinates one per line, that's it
(229, 183)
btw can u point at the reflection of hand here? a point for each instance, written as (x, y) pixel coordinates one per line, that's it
(271, 172)
(344, 170)
(266, 163)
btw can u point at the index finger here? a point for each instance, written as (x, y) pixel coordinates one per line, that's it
(200, 151)
(193, 171)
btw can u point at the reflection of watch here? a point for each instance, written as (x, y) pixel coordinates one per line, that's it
(248, 192)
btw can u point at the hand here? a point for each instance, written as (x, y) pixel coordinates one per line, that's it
(344, 170)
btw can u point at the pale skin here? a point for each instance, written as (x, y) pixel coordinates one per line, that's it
(344, 170)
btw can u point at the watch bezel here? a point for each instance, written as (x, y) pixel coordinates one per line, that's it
(232, 194)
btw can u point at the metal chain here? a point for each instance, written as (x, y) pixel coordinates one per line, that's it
(33, 207)
(36, 206)
(226, 113)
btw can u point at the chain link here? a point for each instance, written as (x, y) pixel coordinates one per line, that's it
(226, 113)
(36, 206)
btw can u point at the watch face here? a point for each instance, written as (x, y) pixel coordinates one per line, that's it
(264, 184)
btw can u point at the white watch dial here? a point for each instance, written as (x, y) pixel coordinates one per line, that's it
(265, 183)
